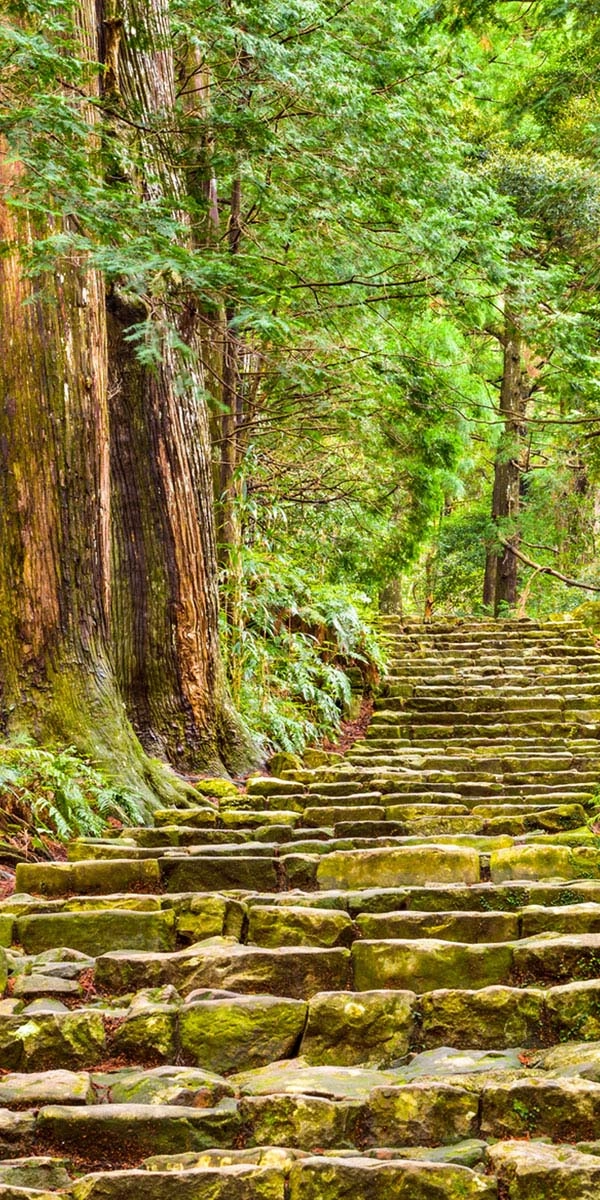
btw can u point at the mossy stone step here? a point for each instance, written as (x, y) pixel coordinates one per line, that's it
(499, 1016)
(238, 1182)
(98, 1133)
(329, 816)
(428, 964)
(540, 861)
(365, 956)
(96, 932)
(530, 1169)
(453, 926)
(297, 926)
(240, 1033)
(297, 971)
(317, 1178)
(347, 870)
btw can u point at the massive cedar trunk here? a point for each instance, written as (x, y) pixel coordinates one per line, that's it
(165, 593)
(501, 570)
(56, 677)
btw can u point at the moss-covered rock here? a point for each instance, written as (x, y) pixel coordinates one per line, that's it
(162, 1085)
(237, 1182)
(210, 873)
(283, 761)
(209, 916)
(35, 1172)
(241, 1033)
(268, 785)
(202, 817)
(270, 925)
(396, 867)
(216, 788)
(420, 1113)
(491, 1018)
(426, 965)
(88, 877)
(52, 1040)
(97, 931)
(347, 1028)
(540, 860)
(7, 924)
(303, 1121)
(49, 1087)
(529, 1170)
(563, 1109)
(340, 1178)
(296, 1078)
(573, 1011)
(312, 758)
(121, 1132)
(3, 971)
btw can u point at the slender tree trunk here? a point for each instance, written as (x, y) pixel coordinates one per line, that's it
(489, 578)
(501, 573)
(165, 606)
(390, 597)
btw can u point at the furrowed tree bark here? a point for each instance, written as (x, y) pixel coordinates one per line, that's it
(165, 595)
(57, 676)
(501, 570)
(57, 682)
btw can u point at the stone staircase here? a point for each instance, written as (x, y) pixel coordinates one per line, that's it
(377, 977)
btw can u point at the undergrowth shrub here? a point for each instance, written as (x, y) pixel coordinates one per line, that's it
(293, 649)
(52, 795)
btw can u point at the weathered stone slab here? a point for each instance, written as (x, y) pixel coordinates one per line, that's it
(529, 1170)
(271, 925)
(396, 867)
(52, 1040)
(241, 1033)
(88, 878)
(348, 1028)
(96, 932)
(339, 1179)
(188, 1086)
(564, 1109)
(453, 926)
(487, 1019)
(212, 873)
(296, 972)
(429, 964)
(421, 1113)
(241, 1182)
(545, 861)
(51, 1087)
(125, 1131)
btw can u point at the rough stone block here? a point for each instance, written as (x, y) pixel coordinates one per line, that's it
(348, 1028)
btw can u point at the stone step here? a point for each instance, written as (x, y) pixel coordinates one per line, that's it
(473, 706)
(303, 1178)
(378, 976)
(428, 964)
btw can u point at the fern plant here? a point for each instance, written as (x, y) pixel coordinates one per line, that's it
(48, 795)
(293, 649)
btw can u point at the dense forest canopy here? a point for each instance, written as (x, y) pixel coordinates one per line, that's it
(299, 309)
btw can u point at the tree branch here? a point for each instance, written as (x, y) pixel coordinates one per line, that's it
(587, 587)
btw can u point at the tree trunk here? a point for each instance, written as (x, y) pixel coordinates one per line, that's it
(390, 597)
(165, 606)
(57, 681)
(501, 574)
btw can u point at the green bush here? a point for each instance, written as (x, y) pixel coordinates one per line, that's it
(293, 649)
(55, 794)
